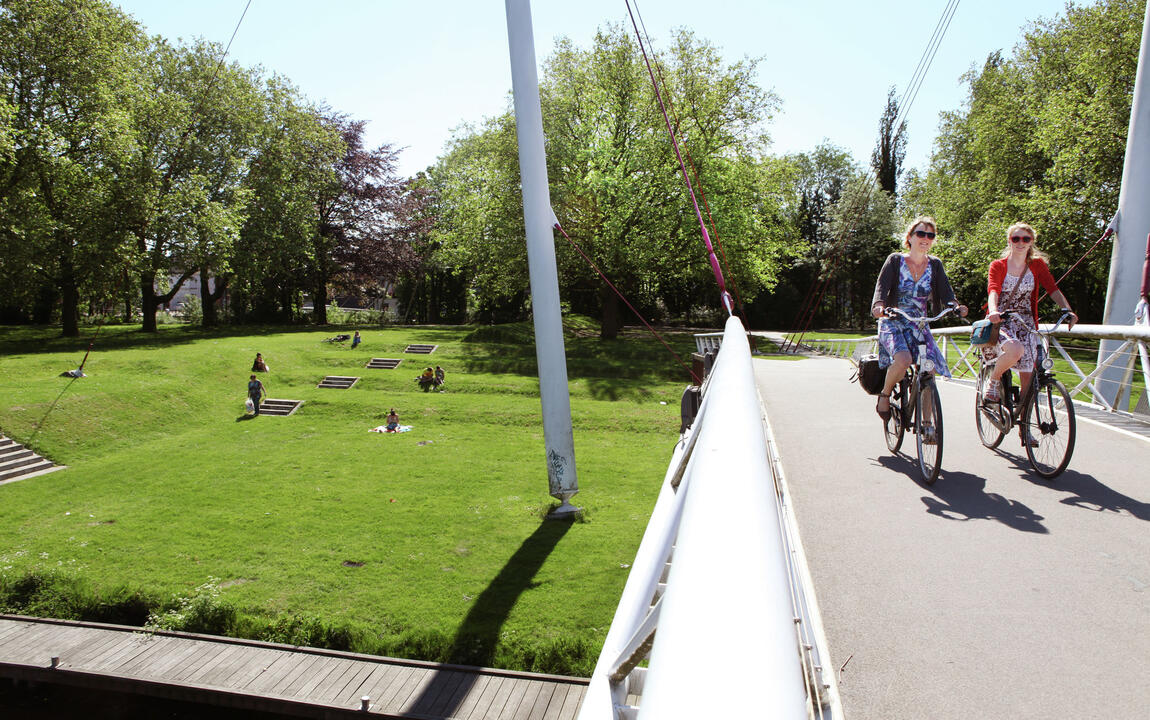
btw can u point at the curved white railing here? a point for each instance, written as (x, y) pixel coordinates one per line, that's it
(1131, 354)
(718, 598)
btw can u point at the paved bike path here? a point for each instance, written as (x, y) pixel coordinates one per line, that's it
(992, 593)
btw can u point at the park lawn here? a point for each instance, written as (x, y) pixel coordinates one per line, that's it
(428, 543)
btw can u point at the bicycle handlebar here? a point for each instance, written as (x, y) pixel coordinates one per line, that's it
(892, 311)
(1065, 314)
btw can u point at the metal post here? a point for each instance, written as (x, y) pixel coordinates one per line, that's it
(539, 222)
(1133, 223)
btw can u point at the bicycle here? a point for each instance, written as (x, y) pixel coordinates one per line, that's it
(915, 406)
(1036, 411)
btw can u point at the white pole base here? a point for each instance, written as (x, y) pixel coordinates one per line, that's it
(564, 511)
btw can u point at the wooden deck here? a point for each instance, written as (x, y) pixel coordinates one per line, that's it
(267, 677)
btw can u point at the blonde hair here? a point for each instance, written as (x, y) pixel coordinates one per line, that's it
(1032, 251)
(920, 220)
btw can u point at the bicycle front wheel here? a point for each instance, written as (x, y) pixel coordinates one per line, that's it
(1049, 420)
(985, 417)
(928, 431)
(892, 428)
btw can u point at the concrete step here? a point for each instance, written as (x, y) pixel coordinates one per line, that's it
(417, 349)
(281, 408)
(4, 441)
(7, 463)
(14, 452)
(338, 382)
(383, 363)
(37, 466)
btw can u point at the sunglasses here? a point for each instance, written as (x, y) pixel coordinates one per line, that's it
(924, 233)
(1021, 239)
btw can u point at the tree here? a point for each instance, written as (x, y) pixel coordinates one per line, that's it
(890, 150)
(615, 182)
(366, 218)
(196, 122)
(68, 70)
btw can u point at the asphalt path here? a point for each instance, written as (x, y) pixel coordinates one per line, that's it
(991, 594)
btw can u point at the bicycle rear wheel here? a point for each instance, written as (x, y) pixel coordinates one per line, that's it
(1049, 419)
(928, 431)
(985, 417)
(892, 428)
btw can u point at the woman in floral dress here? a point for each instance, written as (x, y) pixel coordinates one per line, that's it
(914, 282)
(1012, 284)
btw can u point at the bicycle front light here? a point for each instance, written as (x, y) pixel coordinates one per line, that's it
(1047, 363)
(927, 365)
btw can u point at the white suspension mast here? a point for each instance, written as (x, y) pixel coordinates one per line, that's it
(539, 221)
(1131, 224)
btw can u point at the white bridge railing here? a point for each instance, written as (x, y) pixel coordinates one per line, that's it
(718, 600)
(1131, 354)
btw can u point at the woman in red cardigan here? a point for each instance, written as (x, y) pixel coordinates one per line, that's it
(1012, 284)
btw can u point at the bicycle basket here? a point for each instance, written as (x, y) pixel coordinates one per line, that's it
(870, 375)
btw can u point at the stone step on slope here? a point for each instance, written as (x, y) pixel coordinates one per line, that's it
(281, 408)
(338, 382)
(383, 363)
(417, 349)
(18, 462)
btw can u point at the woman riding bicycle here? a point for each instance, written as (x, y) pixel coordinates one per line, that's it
(1012, 285)
(914, 282)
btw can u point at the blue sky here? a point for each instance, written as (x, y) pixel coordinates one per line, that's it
(416, 70)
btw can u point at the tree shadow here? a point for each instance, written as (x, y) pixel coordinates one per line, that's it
(1084, 491)
(475, 641)
(962, 496)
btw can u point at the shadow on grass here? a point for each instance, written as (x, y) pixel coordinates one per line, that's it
(475, 641)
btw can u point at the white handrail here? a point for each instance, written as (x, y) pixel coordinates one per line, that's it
(724, 635)
(1135, 339)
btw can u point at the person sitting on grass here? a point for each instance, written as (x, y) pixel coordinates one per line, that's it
(440, 374)
(255, 393)
(259, 365)
(392, 421)
(426, 380)
(356, 340)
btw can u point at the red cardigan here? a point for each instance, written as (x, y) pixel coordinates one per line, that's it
(997, 273)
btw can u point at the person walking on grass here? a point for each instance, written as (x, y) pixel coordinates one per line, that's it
(255, 393)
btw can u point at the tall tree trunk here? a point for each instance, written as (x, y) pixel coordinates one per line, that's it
(148, 301)
(69, 300)
(609, 317)
(319, 303)
(209, 317)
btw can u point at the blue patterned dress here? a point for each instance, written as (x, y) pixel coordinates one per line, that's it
(896, 335)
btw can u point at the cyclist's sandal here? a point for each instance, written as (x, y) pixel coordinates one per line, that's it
(1025, 438)
(884, 414)
(929, 436)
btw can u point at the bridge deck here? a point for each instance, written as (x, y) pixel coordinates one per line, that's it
(273, 678)
(992, 593)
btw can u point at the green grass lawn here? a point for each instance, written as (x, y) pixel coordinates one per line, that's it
(311, 529)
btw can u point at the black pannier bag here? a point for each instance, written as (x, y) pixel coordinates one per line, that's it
(870, 375)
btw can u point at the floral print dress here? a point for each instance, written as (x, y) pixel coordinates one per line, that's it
(896, 335)
(1017, 291)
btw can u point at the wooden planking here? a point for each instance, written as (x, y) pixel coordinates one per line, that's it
(258, 675)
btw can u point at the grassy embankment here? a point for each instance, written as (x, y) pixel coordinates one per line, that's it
(309, 529)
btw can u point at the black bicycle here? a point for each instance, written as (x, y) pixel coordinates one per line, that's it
(1044, 412)
(915, 406)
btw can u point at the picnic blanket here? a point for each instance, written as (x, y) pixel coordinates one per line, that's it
(383, 429)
